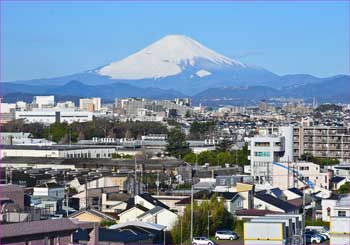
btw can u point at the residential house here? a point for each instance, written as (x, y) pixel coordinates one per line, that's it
(184, 172)
(93, 197)
(159, 215)
(91, 215)
(132, 211)
(114, 202)
(50, 204)
(269, 202)
(338, 181)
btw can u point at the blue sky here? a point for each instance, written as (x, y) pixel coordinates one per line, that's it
(47, 39)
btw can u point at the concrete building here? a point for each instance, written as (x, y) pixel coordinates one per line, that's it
(49, 116)
(7, 112)
(267, 149)
(131, 106)
(65, 104)
(284, 179)
(335, 206)
(340, 221)
(44, 101)
(57, 151)
(322, 141)
(90, 104)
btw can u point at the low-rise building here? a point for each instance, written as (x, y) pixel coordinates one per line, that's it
(57, 151)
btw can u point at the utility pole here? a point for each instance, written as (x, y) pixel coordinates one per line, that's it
(86, 193)
(157, 183)
(135, 182)
(6, 173)
(181, 231)
(67, 190)
(288, 170)
(208, 222)
(191, 211)
(304, 217)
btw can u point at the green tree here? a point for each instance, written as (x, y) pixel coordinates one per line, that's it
(219, 218)
(190, 157)
(176, 143)
(345, 188)
(224, 145)
(207, 157)
(225, 157)
(200, 130)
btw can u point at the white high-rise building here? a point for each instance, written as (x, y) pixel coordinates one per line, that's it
(265, 149)
(44, 101)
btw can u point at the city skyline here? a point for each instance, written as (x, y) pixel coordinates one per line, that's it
(284, 37)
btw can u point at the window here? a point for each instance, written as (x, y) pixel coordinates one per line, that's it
(341, 213)
(262, 154)
(262, 144)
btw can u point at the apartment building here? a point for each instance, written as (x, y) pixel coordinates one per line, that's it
(90, 104)
(131, 106)
(322, 141)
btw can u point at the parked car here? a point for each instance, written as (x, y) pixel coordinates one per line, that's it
(312, 238)
(202, 241)
(226, 235)
(319, 229)
(315, 234)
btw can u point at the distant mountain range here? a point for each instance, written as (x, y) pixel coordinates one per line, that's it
(177, 66)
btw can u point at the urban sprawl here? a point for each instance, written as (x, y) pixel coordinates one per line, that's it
(145, 171)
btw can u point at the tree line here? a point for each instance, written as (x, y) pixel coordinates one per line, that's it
(99, 127)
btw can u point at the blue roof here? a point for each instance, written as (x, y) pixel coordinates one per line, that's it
(337, 179)
(296, 191)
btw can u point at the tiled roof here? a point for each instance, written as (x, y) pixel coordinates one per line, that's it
(255, 212)
(148, 197)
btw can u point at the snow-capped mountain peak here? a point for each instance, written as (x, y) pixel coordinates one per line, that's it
(166, 57)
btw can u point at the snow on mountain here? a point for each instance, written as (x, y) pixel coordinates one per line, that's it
(166, 57)
(203, 73)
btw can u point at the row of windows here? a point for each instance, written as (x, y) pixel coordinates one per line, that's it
(262, 154)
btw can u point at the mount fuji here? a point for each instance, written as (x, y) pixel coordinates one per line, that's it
(177, 66)
(173, 62)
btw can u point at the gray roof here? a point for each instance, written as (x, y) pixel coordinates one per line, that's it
(285, 206)
(36, 227)
(151, 212)
(146, 225)
(53, 147)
